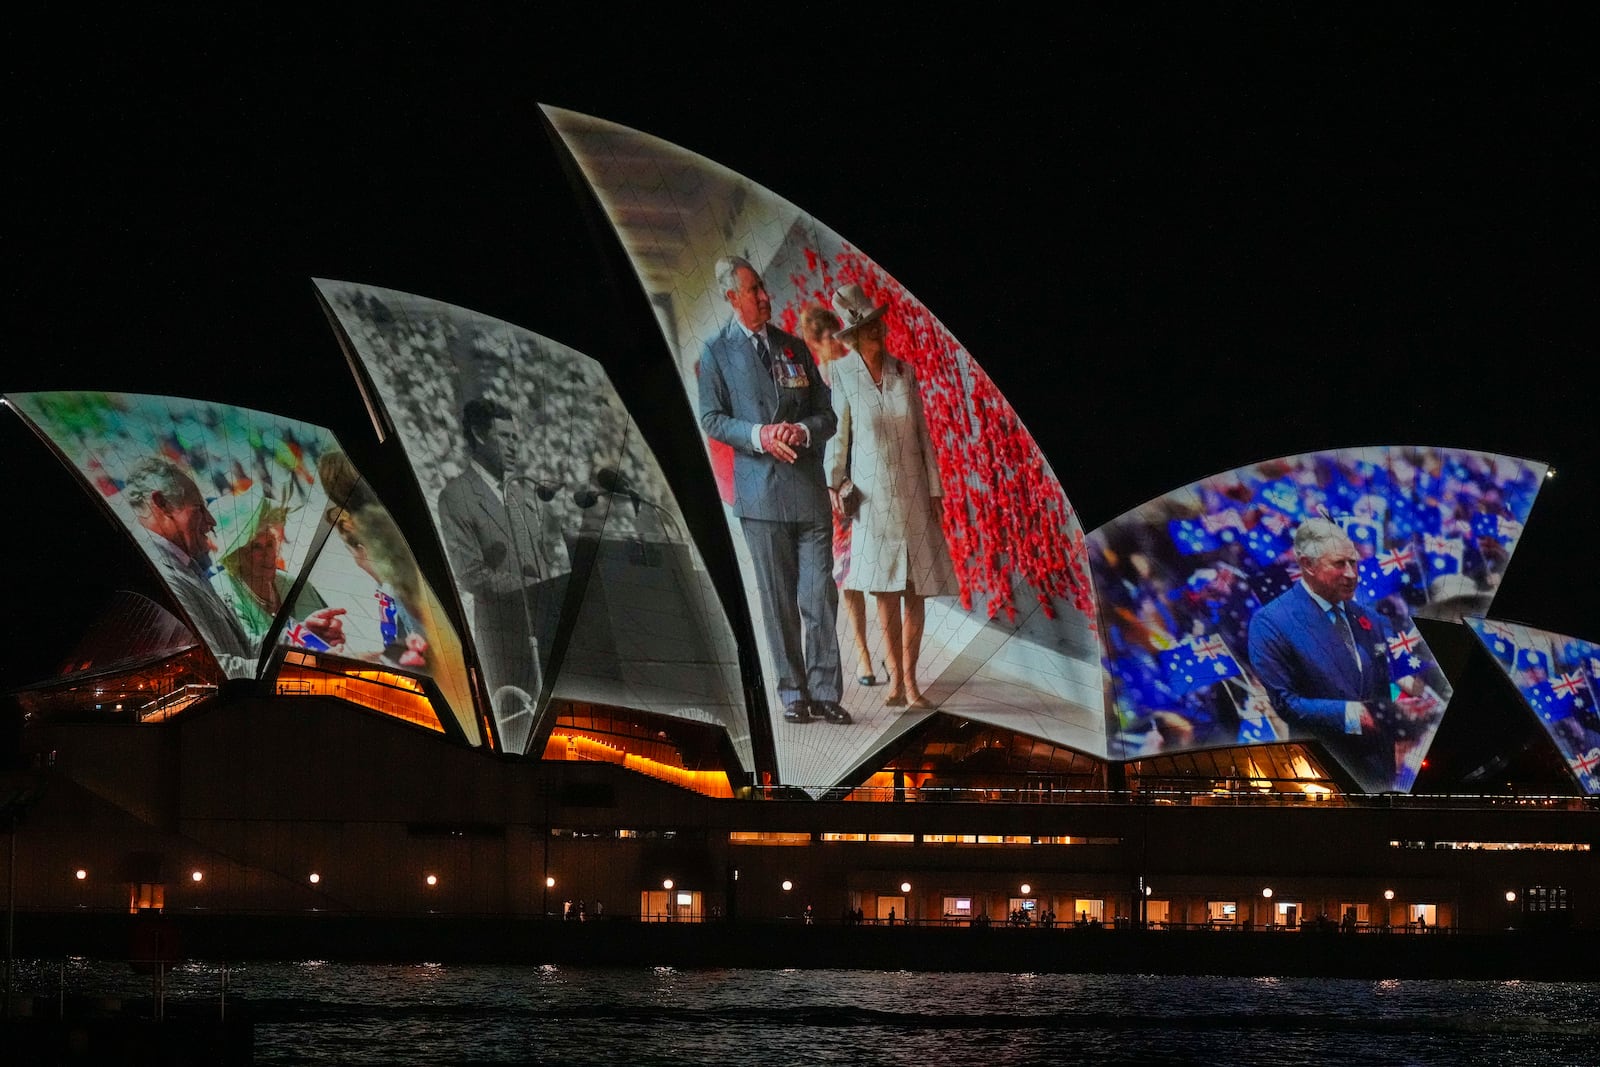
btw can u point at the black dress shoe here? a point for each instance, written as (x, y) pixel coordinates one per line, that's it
(799, 711)
(830, 710)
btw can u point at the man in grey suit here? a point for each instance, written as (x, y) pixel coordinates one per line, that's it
(508, 552)
(760, 394)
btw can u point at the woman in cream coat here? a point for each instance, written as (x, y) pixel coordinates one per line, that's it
(882, 449)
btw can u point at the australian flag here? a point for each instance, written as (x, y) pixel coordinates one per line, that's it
(1502, 528)
(1227, 526)
(1531, 659)
(1198, 662)
(1572, 685)
(1443, 554)
(1376, 581)
(1405, 654)
(388, 611)
(301, 637)
(1551, 706)
(1363, 533)
(1587, 767)
(1281, 495)
(1191, 537)
(1500, 642)
(1271, 582)
(1269, 538)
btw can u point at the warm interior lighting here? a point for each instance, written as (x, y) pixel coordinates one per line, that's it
(905, 887)
(787, 885)
(581, 747)
(197, 876)
(81, 874)
(432, 879)
(1026, 888)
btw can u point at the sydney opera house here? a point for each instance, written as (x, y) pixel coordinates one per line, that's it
(873, 667)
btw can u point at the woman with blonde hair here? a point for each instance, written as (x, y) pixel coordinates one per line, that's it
(883, 456)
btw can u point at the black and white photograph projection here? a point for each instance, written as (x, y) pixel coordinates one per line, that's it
(567, 548)
(904, 544)
(232, 506)
(1275, 602)
(1559, 679)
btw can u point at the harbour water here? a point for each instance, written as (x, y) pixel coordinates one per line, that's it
(312, 1012)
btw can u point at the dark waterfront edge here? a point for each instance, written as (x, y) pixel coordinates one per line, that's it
(1550, 955)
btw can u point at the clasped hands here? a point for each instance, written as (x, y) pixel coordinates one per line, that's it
(780, 440)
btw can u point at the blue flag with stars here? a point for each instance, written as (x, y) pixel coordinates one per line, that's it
(1550, 705)
(1532, 659)
(1198, 662)
(1363, 532)
(1443, 555)
(1191, 537)
(1405, 654)
(1375, 582)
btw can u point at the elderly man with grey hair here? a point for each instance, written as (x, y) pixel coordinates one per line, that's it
(168, 505)
(1324, 659)
(761, 394)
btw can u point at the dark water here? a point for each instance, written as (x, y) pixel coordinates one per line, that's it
(327, 1013)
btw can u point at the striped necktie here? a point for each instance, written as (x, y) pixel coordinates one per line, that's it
(1342, 621)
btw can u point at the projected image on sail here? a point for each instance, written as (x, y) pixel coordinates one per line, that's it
(366, 578)
(567, 549)
(905, 547)
(224, 501)
(1275, 602)
(1558, 677)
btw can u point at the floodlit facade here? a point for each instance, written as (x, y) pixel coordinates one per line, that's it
(919, 688)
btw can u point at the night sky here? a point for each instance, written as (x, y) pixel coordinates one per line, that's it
(1177, 247)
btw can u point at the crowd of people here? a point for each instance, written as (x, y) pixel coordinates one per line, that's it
(1430, 529)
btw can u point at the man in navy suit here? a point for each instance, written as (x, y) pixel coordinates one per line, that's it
(1324, 658)
(761, 395)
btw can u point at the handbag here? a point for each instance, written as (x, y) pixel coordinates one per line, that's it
(849, 498)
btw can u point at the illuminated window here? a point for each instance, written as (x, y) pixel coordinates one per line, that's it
(1089, 909)
(900, 838)
(828, 835)
(753, 837)
(1222, 911)
(1495, 846)
(1156, 911)
(950, 839)
(957, 907)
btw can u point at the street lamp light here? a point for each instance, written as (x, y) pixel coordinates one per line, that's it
(1026, 888)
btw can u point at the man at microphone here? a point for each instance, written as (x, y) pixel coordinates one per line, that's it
(506, 547)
